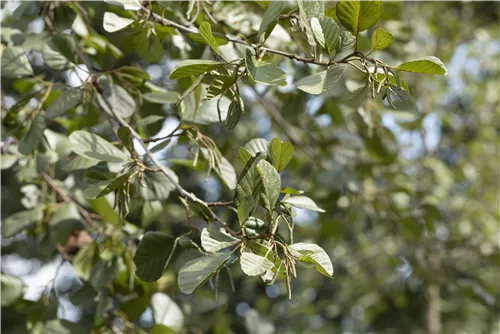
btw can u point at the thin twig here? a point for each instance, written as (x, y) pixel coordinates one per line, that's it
(84, 213)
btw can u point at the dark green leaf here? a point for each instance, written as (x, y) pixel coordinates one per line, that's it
(193, 67)
(269, 20)
(66, 101)
(151, 257)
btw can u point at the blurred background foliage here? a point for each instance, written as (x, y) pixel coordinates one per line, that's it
(412, 221)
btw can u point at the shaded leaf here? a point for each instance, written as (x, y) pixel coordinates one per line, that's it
(269, 19)
(197, 272)
(271, 184)
(215, 238)
(193, 67)
(152, 255)
(161, 97)
(91, 146)
(66, 101)
(318, 83)
(15, 63)
(117, 98)
(264, 73)
(85, 259)
(21, 221)
(327, 33)
(12, 289)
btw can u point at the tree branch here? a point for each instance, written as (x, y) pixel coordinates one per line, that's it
(163, 21)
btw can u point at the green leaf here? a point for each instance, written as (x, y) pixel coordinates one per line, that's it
(21, 221)
(125, 136)
(233, 115)
(66, 101)
(85, 259)
(270, 19)
(78, 163)
(332, 13)
(91, 146)
(271, 184)
(426, 65)
(245, 208)
(227, 173)
(126, 4)
(327, 33)
(264, 73)
(357, 16)
(254, 223)
(204, 111)
(346, 41)
(307, 11)
(162, 97)
(193, 67)
(313, 254)
(113, 22)
(12, 289)
(291, 191)
(197, 272)
(95, 182)
(219, 38)
(33, 136)
(115, 184)
(254, 265)
(206, 33)
(167, 315)
(303, 202)
(249, 182)
(148, 120)
(215, 238)
(256, 145)
(117, 98)
(15, 63)
(151, 257)
(318, 83)
(156, 185)
(60, 52)
(164, 4)
(220, 85)
(103, 273)
(381, 39)
(281, 153)
(243, 155)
